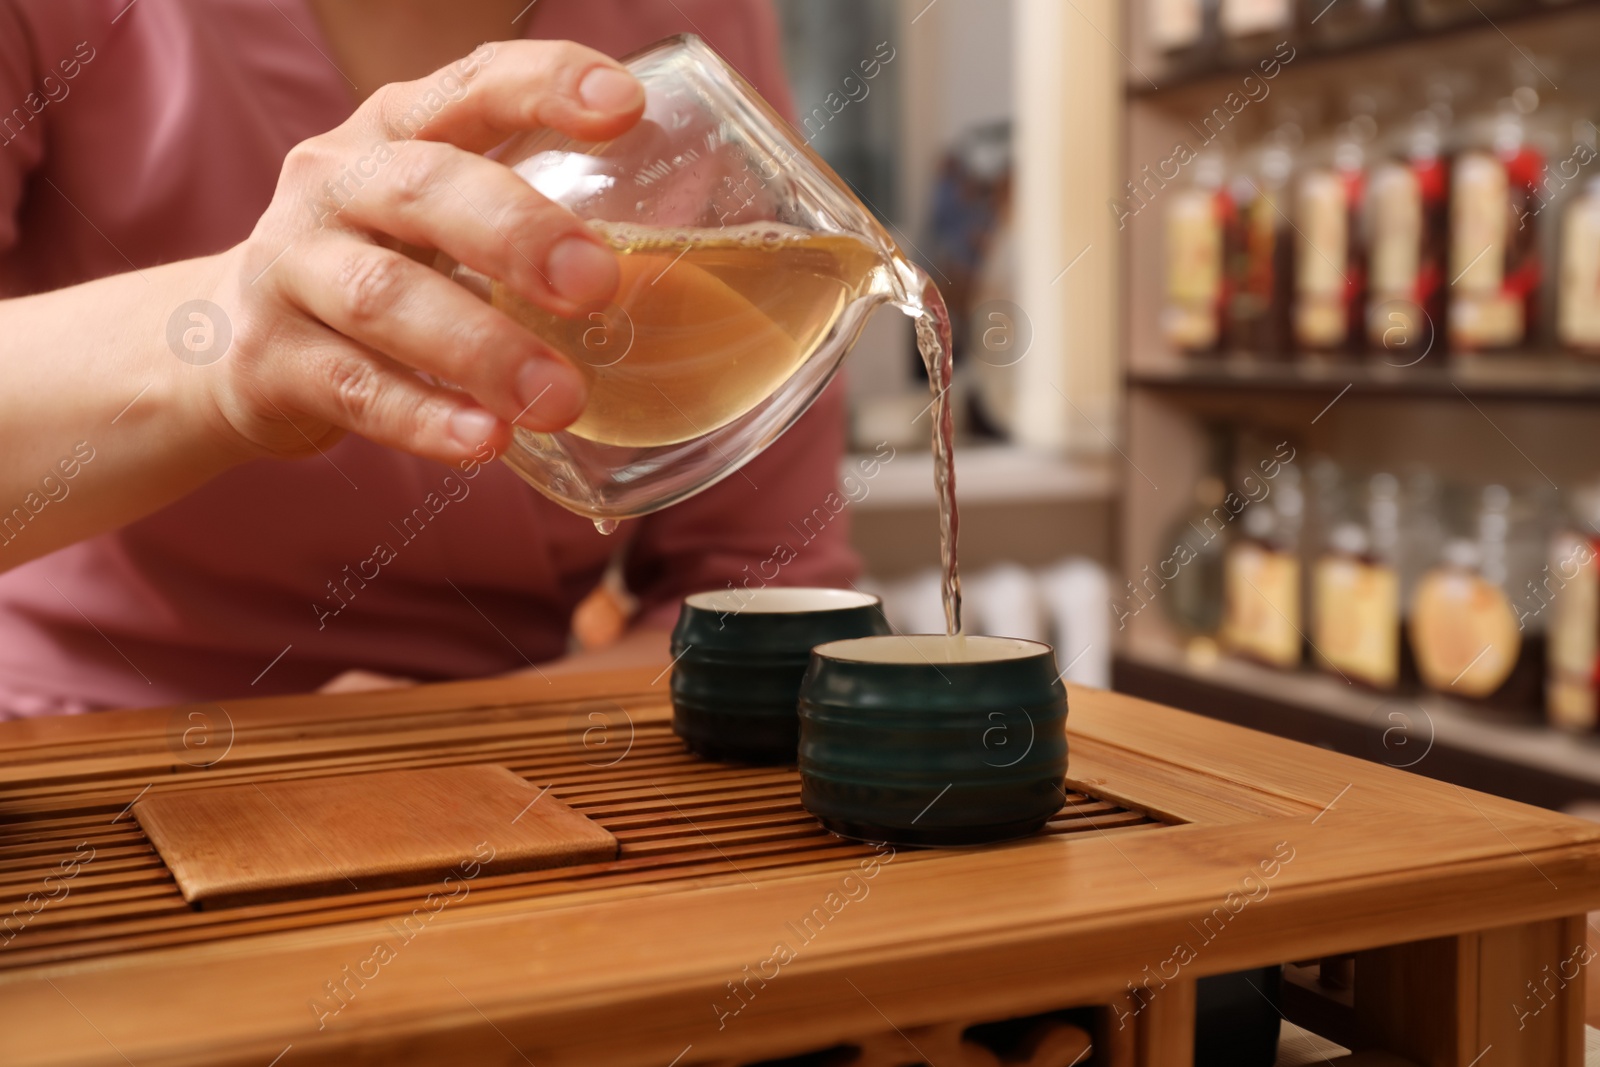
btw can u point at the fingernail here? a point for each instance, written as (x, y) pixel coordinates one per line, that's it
(582, 271)
(552, 393)
(609, 89)
(471, 427)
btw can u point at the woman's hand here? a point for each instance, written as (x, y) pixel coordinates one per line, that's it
(328, 313)
(332, 313)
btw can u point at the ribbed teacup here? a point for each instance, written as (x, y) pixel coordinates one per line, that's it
(933, 740)
(739, 656)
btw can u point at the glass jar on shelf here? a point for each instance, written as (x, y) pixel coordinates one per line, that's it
(1570, 585)
(1463, 632)
(1328, 502)
(1253, 29)
(1262, 595)
(1184, 32)
(1408, 219)
(1261, 248)
(1578, 311)
(1355, 609)
(1331, 262)
(1495, 267)
(1573, 206)
(1423, 533)
(1198, 544)
(1470, 629)
(1196, 219)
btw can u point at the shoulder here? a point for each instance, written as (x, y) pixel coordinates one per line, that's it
(49, 25)
(54, 40)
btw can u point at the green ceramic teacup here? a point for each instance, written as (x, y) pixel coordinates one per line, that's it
(739, 656)
(933, 740)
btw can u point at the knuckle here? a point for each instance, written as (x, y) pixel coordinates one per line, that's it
(355, 387)
(403, 110)
(479, 336)
(255, 332)
(370, 284)
(413, 174)
(422, 415)
(524, 218)
(305, 159)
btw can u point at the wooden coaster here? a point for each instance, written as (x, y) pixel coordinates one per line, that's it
(243, 844)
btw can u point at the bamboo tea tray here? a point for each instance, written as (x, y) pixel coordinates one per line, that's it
(729, 928)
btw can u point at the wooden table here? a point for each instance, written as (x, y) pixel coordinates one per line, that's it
(1184, 848)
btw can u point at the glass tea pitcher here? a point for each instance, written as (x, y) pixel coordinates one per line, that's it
(748, 270)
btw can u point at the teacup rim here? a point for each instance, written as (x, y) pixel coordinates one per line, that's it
(832, 650)
(852, 600)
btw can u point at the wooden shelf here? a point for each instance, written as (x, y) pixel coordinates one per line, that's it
(1315, 57)
(985, 474)
(1497, 378)
(1531, 421)
(1509, 753)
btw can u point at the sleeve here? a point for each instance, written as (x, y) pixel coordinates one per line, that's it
(782, 520)
(21, 134)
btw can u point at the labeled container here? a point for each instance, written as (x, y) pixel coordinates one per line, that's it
(1474, 630)
(1251, 29)
(1570, 587)
(1261, 249)
(1330, 268)
(1196, 220)
(1578, 305)
(1355, 619)
(1408, 219)
(1262, 578)
(1496, 274)
(1184, 32)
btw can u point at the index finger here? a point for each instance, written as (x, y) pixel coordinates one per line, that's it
(509, 87)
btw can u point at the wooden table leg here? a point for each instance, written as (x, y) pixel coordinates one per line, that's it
(1517, 990)
(1162, 1029)
(1116, 1037)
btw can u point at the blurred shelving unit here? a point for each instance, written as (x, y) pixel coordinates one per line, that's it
(985, 475)
(1526, 419)
(1018, 505)
(1524, 378)
(1538, 27)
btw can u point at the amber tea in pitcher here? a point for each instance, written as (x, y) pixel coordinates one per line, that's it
(716, 320)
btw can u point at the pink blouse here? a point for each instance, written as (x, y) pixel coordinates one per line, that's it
(137, 133)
